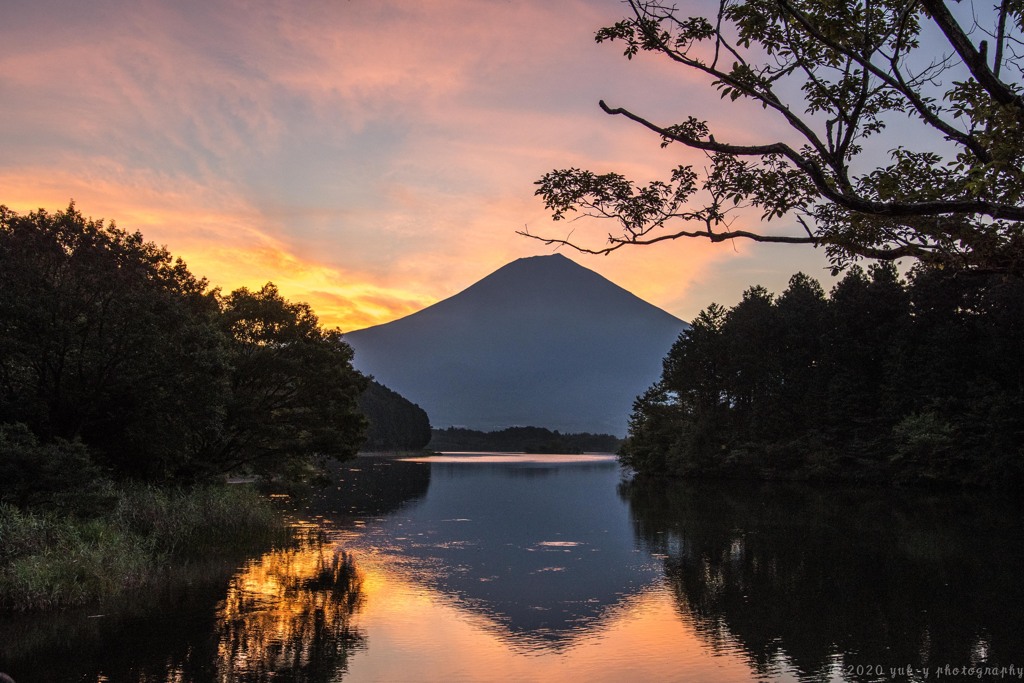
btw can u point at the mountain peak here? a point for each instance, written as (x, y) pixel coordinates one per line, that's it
(549, 262)
(539, 286)
(541, 341)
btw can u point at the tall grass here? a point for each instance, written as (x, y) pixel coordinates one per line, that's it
(50, 561)
(197, 522)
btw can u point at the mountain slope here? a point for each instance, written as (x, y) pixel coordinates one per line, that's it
(541, 341)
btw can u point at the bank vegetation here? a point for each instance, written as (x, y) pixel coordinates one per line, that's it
(130, 390)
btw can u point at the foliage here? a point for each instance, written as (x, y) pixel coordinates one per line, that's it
(394, 422)
(521, 440)
(193, 522)
(884, 380)
(54, 476)
(107, 339)
(117, 364)
(845, 80)
(114, 355)
(293, 388)
(53, 562)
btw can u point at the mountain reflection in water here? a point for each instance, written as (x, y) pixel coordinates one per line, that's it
(505, 568)
(519, 542)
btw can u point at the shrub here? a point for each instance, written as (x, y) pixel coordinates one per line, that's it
(53, 476)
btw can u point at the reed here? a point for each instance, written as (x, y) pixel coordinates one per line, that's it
(196, 522)
(51, 561)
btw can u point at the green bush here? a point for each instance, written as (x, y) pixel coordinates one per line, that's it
(53, 476)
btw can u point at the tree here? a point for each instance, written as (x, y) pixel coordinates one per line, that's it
(682, 423)
(885, 380)
(293, 389)
(394, 423)
(112, 354)
(105, 338)
(752, 349)
(801, 314)
(838, 74)
(59, 475)
(865, 340)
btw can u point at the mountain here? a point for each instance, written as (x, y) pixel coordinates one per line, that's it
(541, 341)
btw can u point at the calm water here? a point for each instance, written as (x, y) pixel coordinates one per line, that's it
(534, 568)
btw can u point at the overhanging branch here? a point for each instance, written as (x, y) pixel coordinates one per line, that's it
(825, 187)
(971, 57)
(616, 243)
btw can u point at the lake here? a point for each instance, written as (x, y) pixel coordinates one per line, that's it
(490, 567)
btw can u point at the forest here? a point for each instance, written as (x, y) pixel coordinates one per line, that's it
(130, 390)
(886, 379)
(394, 423)
(116, 359)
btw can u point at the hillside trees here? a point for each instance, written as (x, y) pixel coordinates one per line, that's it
(394, 423)
(884, 380)
(902, 120)
(112, 351)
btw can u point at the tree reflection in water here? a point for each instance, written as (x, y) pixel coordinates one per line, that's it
(839, 581)
(288, 616)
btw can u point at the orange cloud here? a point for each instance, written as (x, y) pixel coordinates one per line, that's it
(225, 245)
(368, 157)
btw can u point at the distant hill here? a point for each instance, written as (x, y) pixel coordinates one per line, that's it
(394, 423)
(521, 440)
(541, 341)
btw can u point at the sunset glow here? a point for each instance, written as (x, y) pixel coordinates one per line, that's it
(392, 613)
(368, 158)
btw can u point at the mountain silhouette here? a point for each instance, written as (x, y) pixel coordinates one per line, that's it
(541, 341)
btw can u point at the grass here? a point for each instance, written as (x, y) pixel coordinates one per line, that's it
(48, 561)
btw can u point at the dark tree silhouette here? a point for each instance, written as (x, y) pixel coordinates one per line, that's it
(394, 422)
(293, 389)
(108, 339)
(884, 380)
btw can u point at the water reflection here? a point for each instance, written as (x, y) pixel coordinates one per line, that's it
(288, 616)
(370, 485)
(839, 583)
(520, 543)
(161, 636)
(552, 571)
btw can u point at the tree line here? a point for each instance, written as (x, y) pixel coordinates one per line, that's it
(885, 379)
(522, 440)
(394, 423)
(115, 360)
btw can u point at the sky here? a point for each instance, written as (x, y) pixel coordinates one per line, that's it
(368, 157)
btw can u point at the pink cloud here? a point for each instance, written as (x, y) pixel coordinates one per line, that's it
(368, 157)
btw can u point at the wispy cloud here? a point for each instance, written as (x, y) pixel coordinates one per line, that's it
(368, 157)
